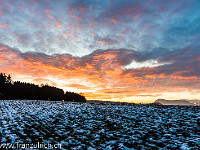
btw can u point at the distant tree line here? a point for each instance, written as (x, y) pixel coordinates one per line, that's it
(22, 90)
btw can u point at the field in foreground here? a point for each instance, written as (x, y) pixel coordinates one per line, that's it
(100, 126)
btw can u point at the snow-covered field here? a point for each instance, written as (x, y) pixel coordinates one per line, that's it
(100, 126)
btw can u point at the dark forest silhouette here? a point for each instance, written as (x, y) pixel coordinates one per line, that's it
(10, 90)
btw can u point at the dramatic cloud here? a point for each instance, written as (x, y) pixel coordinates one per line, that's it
(115, 49)
(104, 72)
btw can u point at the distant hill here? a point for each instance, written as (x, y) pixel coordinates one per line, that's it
(178, 102)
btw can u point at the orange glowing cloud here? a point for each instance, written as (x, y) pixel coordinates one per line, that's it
(103, 42)
(44, 81)
(70, 35)
(58, 23)
(114, 21)
(3, 26)
(78, 86)
(76, 17)
(100, 75)
(93, 34)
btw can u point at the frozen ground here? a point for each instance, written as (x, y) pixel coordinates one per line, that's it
(100, 126)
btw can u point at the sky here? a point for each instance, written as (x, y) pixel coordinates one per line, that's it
(118, 50)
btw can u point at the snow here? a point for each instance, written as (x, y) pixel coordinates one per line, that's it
(100, 126)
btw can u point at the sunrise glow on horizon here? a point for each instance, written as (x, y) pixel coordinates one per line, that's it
(118, 50)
